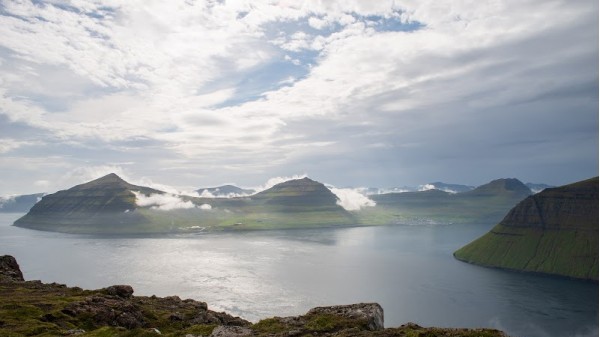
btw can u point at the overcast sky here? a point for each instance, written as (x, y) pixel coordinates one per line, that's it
(351, 93)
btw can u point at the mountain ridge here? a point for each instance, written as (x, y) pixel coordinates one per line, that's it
(110, 204)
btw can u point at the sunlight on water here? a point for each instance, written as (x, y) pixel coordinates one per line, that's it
(409, 270)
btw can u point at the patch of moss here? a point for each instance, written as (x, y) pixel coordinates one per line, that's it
(329, 322)
(269, 325)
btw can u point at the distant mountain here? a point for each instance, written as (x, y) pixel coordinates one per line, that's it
(19, 203)
(113, 206)
(107, 201)
(552, 232)
(484, 204)
(509, 187)
(226, 191)
(298, 192)
(536, 188)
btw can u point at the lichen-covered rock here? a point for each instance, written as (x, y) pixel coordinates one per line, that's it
(9, 269)
(124, 291)
(231, 331)
(371, 313)
(107, 311)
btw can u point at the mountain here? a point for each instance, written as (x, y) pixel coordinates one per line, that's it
(552, 232)
(298, 192)
(111, 205)
(295, 203)
(19, 203)
(107, 201)
(225, 191)
(509, 187)
(485, 204)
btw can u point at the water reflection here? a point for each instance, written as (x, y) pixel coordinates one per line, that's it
(407, 269)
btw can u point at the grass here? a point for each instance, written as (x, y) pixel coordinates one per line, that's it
(572, 253)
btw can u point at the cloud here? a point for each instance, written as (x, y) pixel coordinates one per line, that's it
(163, 202)
(352, 199)
(213, 90)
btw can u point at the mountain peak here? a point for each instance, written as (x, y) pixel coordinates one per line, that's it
(109, 180)
(502, 186)
(303, 191)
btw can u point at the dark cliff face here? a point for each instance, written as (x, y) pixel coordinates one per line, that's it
(573, 206)
(552, 232)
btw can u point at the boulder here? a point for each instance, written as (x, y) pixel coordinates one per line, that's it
(231, 331)
(123, 291)
(9, 269)
(372, 313)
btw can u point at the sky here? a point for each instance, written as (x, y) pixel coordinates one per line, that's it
(194, 94)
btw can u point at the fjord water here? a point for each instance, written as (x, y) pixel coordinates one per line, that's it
(409, 270)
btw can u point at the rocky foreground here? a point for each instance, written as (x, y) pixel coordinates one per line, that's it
(33, 308)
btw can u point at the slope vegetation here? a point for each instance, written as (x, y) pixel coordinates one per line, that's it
(485, 204)
(552, 232)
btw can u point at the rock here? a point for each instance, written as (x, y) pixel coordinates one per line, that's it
(231, 331)
(107, 311)
(75, 332)
(372, 313)
(124, 291)
(9, 269)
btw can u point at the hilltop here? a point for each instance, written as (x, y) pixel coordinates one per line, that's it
(552, 232)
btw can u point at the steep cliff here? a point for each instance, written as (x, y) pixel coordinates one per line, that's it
(552, 232)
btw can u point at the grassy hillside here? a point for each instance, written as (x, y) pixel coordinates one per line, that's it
(552, 232)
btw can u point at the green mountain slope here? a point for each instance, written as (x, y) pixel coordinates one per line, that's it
(107, 202)
(485, 204)
(552, 232)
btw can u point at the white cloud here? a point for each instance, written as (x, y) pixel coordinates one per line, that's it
(205, 83)
(205, 207)
(163, 202)
(352, 199)
(426, 187)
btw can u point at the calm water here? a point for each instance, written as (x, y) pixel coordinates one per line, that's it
(409, 270)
